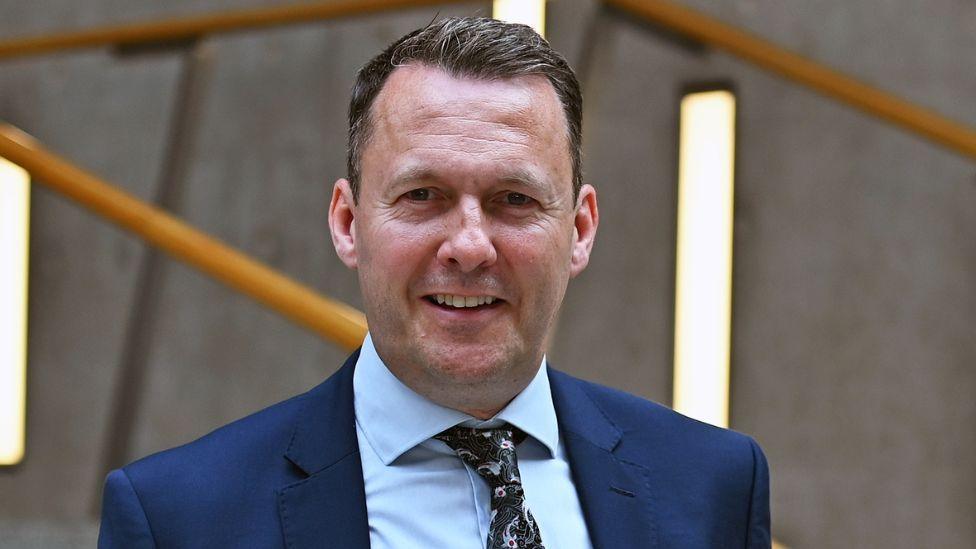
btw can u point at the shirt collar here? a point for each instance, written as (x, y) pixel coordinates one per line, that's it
(394, 418)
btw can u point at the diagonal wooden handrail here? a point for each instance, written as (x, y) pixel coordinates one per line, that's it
(172, 30)
(332, 319)
(809, 73)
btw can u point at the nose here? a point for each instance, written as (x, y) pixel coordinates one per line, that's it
(467, 245)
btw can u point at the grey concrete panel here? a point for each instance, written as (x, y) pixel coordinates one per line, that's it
(567, 25)
(854, 307)
(629, 159)
(48, 534)
(920, 51)
(617, 322)
(107, 116)
(56, 16)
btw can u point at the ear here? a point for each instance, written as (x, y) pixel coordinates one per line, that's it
(584, 232)
(342, 216)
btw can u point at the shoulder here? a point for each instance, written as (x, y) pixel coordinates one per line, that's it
(252, 448)
(247, 436)
(217, 488)
(712, 482)
(647, 428)
(224, 485)
(244, 452)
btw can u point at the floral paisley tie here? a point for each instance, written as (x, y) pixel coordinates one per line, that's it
(491, 452)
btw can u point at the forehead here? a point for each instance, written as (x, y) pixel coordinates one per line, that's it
(432, 90)
(424, 112)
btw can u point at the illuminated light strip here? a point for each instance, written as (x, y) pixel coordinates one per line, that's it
(14, 218)
(703, 285)
(527, 12)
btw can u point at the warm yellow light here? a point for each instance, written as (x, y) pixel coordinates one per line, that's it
(704, 259)
(527, 12)
(14, 216)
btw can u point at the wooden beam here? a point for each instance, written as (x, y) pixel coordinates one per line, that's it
(332, 319)
(173, 30)
(820, 78)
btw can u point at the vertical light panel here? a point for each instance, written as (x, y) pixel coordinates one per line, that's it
(527, 12)
(14, 217)
(704, 256)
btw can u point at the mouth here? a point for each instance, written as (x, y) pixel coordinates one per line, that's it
(452, 301)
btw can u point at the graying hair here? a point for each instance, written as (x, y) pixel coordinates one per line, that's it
(473, 47)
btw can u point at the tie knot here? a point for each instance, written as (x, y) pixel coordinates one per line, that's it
(491, 452)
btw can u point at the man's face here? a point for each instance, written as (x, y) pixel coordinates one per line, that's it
(465, 198)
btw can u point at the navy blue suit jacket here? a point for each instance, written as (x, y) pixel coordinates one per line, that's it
(290, 476)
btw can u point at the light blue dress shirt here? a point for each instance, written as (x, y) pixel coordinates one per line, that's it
(420, 494)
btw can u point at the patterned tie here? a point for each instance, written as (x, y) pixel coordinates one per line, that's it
(491, 452)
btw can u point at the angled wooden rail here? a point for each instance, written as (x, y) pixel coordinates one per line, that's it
(804, 71)
(174, 30)
(335, 321)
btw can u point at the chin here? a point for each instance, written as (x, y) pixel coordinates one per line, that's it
(472, 363)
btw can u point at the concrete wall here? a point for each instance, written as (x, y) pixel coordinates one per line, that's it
(855, 257)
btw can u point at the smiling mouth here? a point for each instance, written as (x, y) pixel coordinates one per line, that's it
(450, 301)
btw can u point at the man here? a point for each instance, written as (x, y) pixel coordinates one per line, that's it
(465, 216)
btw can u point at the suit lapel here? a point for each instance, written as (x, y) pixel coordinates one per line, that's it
(615, 494)
(328, 507)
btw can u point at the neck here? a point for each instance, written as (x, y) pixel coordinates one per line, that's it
(483, 414)
(479, 400)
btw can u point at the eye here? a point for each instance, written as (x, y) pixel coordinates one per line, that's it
(517, 199)
(418, 195)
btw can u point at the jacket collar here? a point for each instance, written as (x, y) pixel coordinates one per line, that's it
(328, 507)
(614, 493)
(325, 431)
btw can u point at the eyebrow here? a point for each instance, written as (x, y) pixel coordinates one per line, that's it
(517, 175)
(528, 178)
(411, 174)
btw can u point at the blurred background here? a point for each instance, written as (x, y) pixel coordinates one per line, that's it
(849, 334)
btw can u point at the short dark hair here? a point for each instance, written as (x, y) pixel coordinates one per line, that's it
(475, 47)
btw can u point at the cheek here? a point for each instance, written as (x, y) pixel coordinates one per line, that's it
(394, 251)
(540, 257)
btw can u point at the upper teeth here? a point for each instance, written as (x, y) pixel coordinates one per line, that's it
(464, 301)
